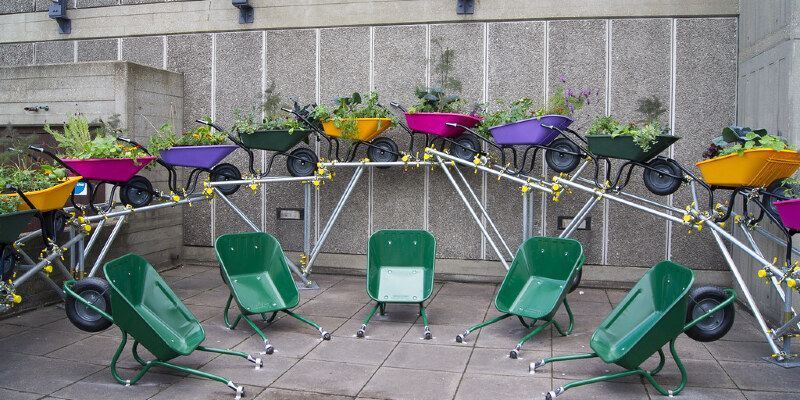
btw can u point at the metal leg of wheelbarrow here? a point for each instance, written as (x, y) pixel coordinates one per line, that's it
(638, 371)
(267, 347)
(515, 353)
(147, 364)
(427, 331)
(363, 329)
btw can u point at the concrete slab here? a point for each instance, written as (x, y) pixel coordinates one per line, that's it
(329, 377)
(399, 383)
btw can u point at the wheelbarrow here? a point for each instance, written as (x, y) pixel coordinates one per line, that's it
(651, 315)
(536, 284)
(400, 267)
(146, 308)
(254, 268)
(444, 127)
(13, 224)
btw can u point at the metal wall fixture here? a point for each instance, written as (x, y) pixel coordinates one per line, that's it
(37, 108)
(245, 11)
(465, 6)
(58, 12)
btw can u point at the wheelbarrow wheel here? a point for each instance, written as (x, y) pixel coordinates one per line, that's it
(302, 162)
(95, 291)
(382, 150)
(562, 156)
(226, 172)
(775, 192)
(137, 192)
(8, 260)
(657, 178)
(465, 147)
(576, 281)
(701, 300)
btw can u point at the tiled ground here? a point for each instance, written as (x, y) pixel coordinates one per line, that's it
(45, 357)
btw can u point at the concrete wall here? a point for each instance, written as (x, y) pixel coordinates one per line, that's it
(682, 51)
(768, 97)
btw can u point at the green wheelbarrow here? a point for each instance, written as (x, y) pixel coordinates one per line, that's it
(400, 266)
(536, 284)
(254, 268)
(651, 315)
(147, 309)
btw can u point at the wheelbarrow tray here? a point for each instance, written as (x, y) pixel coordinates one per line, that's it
(530, 131)
(49, 199)
(789, 211)
(144, 306)
(754, 168)
(274, 139)
(396, 274)
(434, 123)
(256, 272)
(13, 224)
(368, 128)
(108, 169)
(197, 156)
(651, 314)
(624, 148)
(540, 277)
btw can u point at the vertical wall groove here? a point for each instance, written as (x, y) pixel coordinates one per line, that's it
(672, 102)
(606, 224)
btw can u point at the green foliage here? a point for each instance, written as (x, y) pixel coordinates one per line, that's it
(9, 204)
(505, 114)
(435, 99)
(78, 142)
(246, 124)
(27, 176)
(644, 135)
(345, 115)
(744, 138)
(165, 137)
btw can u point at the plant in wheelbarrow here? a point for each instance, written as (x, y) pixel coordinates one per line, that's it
(359, 119)
(279, 132)
(95, 154)
(201, 148)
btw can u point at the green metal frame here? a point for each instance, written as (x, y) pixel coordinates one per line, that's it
(637, 371)
(148, 364)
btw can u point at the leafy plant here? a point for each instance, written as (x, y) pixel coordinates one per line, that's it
(435, 99)
(644, 135)
(26, 175)
(744, 138)
(165, 137)
(274, 117)
(9, 204)
(345, 115)
(78, 142)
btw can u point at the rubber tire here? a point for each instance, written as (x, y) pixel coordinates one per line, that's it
(81, 316)
(576, 281)
(777, 188)
(558, 156)
(465, 146)
(716, 326)
(384, 150)
(9, 261)
(226, 172)
(137, 192)
(303, 162)
(60, 221)
(657, 182)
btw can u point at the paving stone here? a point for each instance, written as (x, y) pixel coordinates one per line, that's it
(193, 388)
(351, 350)
(495, 362)
(511, 387)
(39, 341)
(429, 357)
(16, 394)
(589, 368)
(760, 375)
(103, 385)
(400, 384)
(321, 308)
(329, 377)
(604, 390)
(384, 330)
(507, 333)
(703, 393)
(244, 372)
(40, 374)
(280, 394)
(39, 317)
(738, 351)
(286, 344)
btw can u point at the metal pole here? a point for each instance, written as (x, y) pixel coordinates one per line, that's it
(746, 292)
(740, 245)
(472, 212)
(44, 262)
(236, 210)
(324, 235)
(530, 182)
(128, 211)
(95, 235)
(107, 246)
(485, 213)
(775, 239)
(573, 225)
(215, 184)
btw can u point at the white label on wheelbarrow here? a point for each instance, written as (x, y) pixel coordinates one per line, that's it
(81, 189)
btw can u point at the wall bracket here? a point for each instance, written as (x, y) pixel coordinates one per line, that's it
(465, 6)
(245, 11)
(58, 12)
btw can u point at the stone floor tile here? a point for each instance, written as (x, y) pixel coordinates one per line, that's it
(38, 318)
(480, 386)
(429, 357)
(700, 373)
(496, 362)
(243, 372)
(326, 378)
(587, 368)
(379, 330)
(402, 384)
(350, 350)
(506, 334)
(584, 308)
(316, 307)
(16, 394)
(281, 394)
(193, 388)
(473, 290)
(103, 385)
(616, 390)
(40, 374)
(764, 395)
(7, 329)
(761, 375)
(703, 393)
(40, 341)
(738, 351)
(285, 343)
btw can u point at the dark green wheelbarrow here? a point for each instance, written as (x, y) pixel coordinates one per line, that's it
(400, 266)
(147, 309)
(541, 275)
(254, 268)
(651, 315)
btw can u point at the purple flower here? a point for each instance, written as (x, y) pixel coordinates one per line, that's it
(588, 101)
(597, 91)
(563, 79)
(570, 93)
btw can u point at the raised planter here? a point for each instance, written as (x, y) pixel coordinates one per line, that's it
(197, 156)
(623, 147)
(530, 131)
(789, 211)
(108, 169)
(274, 140)
(13, 224)
(49, 199)
(435, 123)
(368, 128)
(754, 168)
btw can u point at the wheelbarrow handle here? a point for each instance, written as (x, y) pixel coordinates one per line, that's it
(21, 195)
(731, 298)
(133, 142)
(54, 157)
(548, 126)
(211, 124)
(78, 297)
